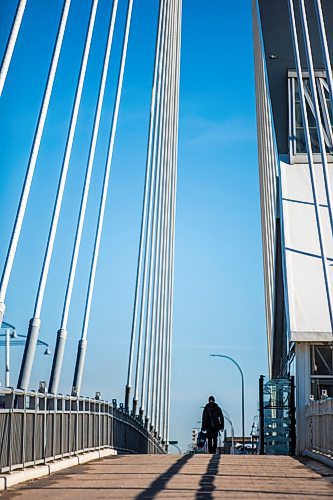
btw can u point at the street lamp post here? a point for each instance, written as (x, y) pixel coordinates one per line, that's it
(11, 337)
(242, 377)
(228, 419)
(175, 444)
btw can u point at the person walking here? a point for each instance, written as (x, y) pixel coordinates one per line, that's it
(212, 423)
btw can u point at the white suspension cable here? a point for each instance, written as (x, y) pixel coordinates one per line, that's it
(65, 164)
(173, 219)
(162, 278)
(157, 265)
(312, 171)
(32, 160)
(163, 308)
(161, 221)
(163, 411)
(314, 91)
(145, 234)
(324, 46)
(11, 43)
(83, 341)
(155, 241)
(34, 325)
(62, 332)
(167, 235)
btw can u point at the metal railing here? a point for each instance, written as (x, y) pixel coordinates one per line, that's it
(36, 428)
(319, 430)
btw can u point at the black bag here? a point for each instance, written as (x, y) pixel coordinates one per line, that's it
(201, 439)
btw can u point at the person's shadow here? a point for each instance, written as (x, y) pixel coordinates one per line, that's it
(207, 481)
(160, 483)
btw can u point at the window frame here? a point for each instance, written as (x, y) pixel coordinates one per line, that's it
(314, 377)
(294, 156)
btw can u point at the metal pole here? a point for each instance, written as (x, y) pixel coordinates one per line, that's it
(242, 378)
(176, 446)
(7, 381)
(312, 171)
(232, 433)
(34, 326)
(32, 161)
(292, 411)
(261, 416)
(62, 332)
(11, 44)
(82, 346)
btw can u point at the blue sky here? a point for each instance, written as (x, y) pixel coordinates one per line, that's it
(219, 300)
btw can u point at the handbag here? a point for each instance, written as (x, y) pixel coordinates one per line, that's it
(201, 439)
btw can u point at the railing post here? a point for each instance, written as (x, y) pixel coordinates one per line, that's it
(23, 430)
(107, 423)
(261, 416)
(62, 413)
(44, 428)
(292, 409)
(70, 427)
(88, 427)
(83, 424)
(34, 429)
(99, 425)
(54, 427)
(77, 426)
(10, 424)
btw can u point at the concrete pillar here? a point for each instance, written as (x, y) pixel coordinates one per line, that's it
(303, 390)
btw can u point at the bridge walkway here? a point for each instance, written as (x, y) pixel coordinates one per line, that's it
(180, 476)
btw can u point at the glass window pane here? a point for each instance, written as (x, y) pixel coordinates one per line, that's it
(296, 91)
(298, 115)
(314, 140)
(311, 117)
(306, 82)
(329, 107)
(300, 141)
(322, 360)
(320, 384)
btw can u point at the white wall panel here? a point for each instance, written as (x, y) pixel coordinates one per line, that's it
(308, 306)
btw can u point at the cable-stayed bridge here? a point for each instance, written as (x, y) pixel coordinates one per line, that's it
(294, 135)
(147, 393)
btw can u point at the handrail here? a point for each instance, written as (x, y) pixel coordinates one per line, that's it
(57, 425)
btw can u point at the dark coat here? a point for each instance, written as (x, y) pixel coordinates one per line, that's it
(212, 418)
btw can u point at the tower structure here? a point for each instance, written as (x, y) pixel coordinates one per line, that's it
(293, 47)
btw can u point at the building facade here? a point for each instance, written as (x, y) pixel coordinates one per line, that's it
(293, 46)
